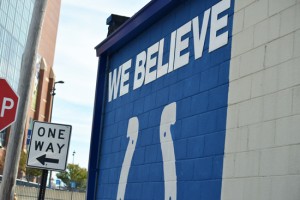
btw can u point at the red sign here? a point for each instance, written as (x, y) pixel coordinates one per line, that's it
(8, 104)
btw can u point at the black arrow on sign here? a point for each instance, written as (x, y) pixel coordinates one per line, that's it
(42, 159)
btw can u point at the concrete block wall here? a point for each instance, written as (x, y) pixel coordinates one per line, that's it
(262, 145)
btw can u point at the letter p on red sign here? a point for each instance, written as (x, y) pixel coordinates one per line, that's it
(8, 104)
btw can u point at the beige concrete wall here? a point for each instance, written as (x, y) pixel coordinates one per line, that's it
(262, 148)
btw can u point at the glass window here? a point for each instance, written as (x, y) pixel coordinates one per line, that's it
(18, 19)
(14, 24)
(1, 39)
(12, 60)
(3, 17)
(7, 39)
(10, 71)
(22, 38)
(4, 5)
(10, 80)
(1, 33)
(20, 50)
(18, 63)
(13, 45)
(11, 12)
(6, 52)
(13, 3)
(24, 23)
(20, 6)
(16, 32)
(4, 67)
(28, 4)
(9, 24)
(26, 14)
(2, 138)
(2, 74)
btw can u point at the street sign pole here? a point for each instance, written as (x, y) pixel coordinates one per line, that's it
(43, 185)
(53, 94)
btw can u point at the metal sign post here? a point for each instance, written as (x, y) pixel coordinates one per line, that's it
(43, 185)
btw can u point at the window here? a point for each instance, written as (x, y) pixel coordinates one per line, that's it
(2, 138)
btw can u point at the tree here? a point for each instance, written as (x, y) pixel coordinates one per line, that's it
(22, 162)
(76, 174)
(31, 173)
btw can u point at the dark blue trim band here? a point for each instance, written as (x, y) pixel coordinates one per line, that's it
(96, 129)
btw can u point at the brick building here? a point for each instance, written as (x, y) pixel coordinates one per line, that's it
(14, 24)
(41, 101)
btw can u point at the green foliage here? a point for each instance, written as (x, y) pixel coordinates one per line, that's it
(32, 172)
(74, 173)
(22, 162)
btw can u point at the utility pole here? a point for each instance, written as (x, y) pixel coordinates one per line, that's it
(27, 70)
(52, 94)
(73, 156)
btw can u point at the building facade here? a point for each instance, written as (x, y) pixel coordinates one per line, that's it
(199, 100)
(40, 106)
(15, 16)
(13, 39)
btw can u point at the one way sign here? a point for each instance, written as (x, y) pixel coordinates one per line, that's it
(49, 146)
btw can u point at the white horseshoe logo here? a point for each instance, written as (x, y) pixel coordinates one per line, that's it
(168, 118)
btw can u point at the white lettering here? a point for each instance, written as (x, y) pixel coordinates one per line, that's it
(151, 62)
(181, 60)
(161, 69)
(139, 74)
(5, 105)
(114, 82)
(216, 24)
(199, 41)
(124, 88)
(172, 51)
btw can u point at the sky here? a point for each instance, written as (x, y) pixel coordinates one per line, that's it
(82, 26)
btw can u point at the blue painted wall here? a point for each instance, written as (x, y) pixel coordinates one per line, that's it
(200, 90)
